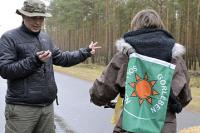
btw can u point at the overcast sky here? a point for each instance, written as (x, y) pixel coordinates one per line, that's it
(8, 18)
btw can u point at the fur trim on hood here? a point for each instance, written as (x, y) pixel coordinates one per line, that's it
(122, 46)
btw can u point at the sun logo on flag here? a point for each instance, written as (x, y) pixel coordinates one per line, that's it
(143, 89)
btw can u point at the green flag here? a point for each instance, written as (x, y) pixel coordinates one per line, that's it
(147, 91)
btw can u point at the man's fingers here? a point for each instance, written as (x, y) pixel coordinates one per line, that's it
(92, 52)
(44, 56)
(40, 52)
(97, 47)
(94, 43)
(46, 53)
(93, 47)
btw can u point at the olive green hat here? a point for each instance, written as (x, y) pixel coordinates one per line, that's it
(33, 8)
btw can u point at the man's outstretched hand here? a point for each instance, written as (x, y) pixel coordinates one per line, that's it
(93, 47)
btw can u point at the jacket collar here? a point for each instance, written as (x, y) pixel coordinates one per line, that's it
(178, 49)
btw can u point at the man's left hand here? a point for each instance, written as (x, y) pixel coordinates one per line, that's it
(93, 47)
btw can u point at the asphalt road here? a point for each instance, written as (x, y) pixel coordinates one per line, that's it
(75, 113)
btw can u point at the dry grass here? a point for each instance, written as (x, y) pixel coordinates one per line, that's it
(195, 129)
(83, 71)
(195, 89)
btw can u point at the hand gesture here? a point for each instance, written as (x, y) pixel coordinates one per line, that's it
(93, 47)
(44, 55)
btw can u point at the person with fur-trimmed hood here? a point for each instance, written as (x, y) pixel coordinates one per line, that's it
(147, 37)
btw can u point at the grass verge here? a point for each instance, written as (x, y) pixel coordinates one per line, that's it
(195, 89)
(87, 72)
(195, 129)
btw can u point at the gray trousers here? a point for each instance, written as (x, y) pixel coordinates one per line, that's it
(28, 119)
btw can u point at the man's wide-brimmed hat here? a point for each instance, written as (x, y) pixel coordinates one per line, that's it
(33, 8)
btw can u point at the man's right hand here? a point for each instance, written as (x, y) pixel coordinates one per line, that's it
(44, 55)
